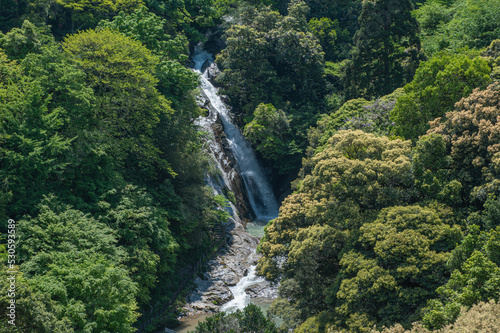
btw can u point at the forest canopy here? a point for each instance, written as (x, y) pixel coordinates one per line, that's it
(376, 121)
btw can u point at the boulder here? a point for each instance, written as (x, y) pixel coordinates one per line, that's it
(212, 72)
(208, 296)
(263, 290)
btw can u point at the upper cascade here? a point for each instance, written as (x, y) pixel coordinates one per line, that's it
(260, 194)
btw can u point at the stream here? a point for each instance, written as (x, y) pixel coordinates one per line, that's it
(260, 198)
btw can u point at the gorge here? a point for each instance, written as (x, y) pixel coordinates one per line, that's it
(231, 282)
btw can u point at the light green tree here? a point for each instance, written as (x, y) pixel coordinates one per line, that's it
(400, 261)
(355, 175)
(128, 106)
(438, 84)
(475, 277)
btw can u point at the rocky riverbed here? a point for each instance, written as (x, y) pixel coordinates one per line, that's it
(226, 270)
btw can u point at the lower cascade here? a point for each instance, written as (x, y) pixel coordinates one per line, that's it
(232, 283)
(241, 298)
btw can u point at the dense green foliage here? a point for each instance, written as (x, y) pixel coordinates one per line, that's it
(374, 233)
(272, 59)
(100, 165)
(386, 113)
(275, 60)
(250, 319)
(483, 317)
(454, 24)
(272, 136)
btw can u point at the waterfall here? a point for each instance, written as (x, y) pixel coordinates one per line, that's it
(258, 189)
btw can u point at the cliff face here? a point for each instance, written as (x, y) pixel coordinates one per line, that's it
(229, 167)
(225, 177)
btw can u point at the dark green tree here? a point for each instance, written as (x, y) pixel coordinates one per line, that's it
(18, 42)
(275, 59)
(346, 12)
(188, 16)
(86, 14)
(312, 266)
(431, 168)
(271, 134)
(9, 14)
(142, 230)
(482, 317)
(271, 58)
(59, 228)
(386, 52)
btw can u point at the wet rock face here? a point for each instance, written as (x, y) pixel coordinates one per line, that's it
(215, 42)
(228, 163)
(212, 72)
(225, 160)
(209, 295)
(205, 65)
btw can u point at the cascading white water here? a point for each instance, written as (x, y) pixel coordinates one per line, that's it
(241, 298)
(259, 191)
